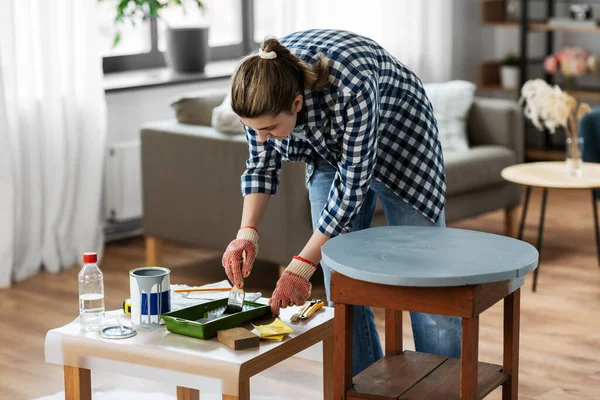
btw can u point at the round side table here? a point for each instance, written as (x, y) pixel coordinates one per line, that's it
(444, 271)
(553, 175)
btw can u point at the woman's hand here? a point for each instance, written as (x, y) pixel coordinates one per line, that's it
(293, 287)
(239, 256)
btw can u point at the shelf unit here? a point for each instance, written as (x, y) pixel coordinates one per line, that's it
(493, 13)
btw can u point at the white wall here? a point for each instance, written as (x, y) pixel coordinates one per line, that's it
(127, 112)
(130, 109)
(472, 41)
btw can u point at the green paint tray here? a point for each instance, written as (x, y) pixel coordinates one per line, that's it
(203, 321)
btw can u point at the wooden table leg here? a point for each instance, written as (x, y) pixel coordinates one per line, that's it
(342, 351)
(470, 358)
(393, 332)
(512, 312)
(596, 224)
(244, 391)
(153, 251)
(184, 393)
(78, 383)
(511, 220)
(328, 368)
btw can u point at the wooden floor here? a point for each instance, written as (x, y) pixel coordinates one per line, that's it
(560, 325)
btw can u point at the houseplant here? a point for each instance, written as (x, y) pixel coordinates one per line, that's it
(509, 71)
(187, 45)
(549, 107)
(571, 62)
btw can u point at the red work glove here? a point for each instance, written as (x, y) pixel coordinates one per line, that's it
(293, 288)
(240, 255)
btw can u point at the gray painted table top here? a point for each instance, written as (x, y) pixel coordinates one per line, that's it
(428, 256)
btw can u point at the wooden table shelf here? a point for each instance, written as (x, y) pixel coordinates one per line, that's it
(411, 376)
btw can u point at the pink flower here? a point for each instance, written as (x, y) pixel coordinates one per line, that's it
(550, 65)
(580, 66)
(561, 54)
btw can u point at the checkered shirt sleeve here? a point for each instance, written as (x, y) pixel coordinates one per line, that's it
(262, 167)
(356, 162)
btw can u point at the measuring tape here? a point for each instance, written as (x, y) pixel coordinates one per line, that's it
(127, 306)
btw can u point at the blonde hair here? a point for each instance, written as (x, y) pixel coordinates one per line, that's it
(267, 86)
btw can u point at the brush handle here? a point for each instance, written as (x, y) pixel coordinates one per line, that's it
(296, 317)
(202, 290)
(313, 310)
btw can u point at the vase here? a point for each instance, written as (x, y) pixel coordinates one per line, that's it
(509, 76)
(574, 149)
(187, 49)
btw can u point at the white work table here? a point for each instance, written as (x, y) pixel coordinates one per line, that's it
(182, 361)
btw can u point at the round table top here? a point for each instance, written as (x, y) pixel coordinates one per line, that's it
(428, 256)
(553, 174)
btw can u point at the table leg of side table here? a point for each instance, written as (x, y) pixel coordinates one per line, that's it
(524, 213)
(540, 236)
(328, 368)
(78, 383)
(184, 393)
(512, 313)
(342, 350)
(470, 358)
(596, 226)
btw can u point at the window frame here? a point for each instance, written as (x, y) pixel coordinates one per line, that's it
(155, 58)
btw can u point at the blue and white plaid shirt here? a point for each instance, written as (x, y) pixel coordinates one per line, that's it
(373, 121)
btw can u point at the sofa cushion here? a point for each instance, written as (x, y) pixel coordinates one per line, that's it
(477, 168)
(451, 103)
(196, 108)
(225, 120)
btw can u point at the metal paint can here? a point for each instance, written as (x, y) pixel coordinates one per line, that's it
(150, 294)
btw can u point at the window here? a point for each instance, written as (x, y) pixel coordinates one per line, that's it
(142, 45)
(135, 39)
(223, 16)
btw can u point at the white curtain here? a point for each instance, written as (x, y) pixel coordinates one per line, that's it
(52, 136)
(417, 32)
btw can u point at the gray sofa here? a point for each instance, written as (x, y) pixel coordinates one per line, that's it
(191, 181)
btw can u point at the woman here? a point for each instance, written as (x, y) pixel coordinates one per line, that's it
(364, 126)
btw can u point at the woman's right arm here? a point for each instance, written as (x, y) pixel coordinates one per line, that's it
(259, 183)
(260, 180)
(255, 205)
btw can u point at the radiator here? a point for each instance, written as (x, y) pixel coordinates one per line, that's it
(123, 189)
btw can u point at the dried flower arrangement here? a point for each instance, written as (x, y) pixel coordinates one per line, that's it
(548, 106)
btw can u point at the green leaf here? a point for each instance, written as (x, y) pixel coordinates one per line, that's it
(133, 9)
(153, 7)
(117, 39)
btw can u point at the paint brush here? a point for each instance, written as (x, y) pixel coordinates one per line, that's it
(202, 290)
(235, 303)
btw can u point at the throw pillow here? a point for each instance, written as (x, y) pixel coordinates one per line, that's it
(195, 108)
(225, 120)
(452, 102)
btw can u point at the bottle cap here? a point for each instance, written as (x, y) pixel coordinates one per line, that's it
(90, 258)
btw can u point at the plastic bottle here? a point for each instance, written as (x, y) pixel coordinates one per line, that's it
(91, 294)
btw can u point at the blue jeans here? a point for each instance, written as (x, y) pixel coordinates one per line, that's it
(434, 334)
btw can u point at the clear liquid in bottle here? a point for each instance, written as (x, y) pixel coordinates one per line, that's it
(91, 294)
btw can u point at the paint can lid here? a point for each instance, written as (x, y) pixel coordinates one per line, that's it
(118, 332)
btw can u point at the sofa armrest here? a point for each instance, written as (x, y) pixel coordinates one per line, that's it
(497, 122)
(196, 108)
